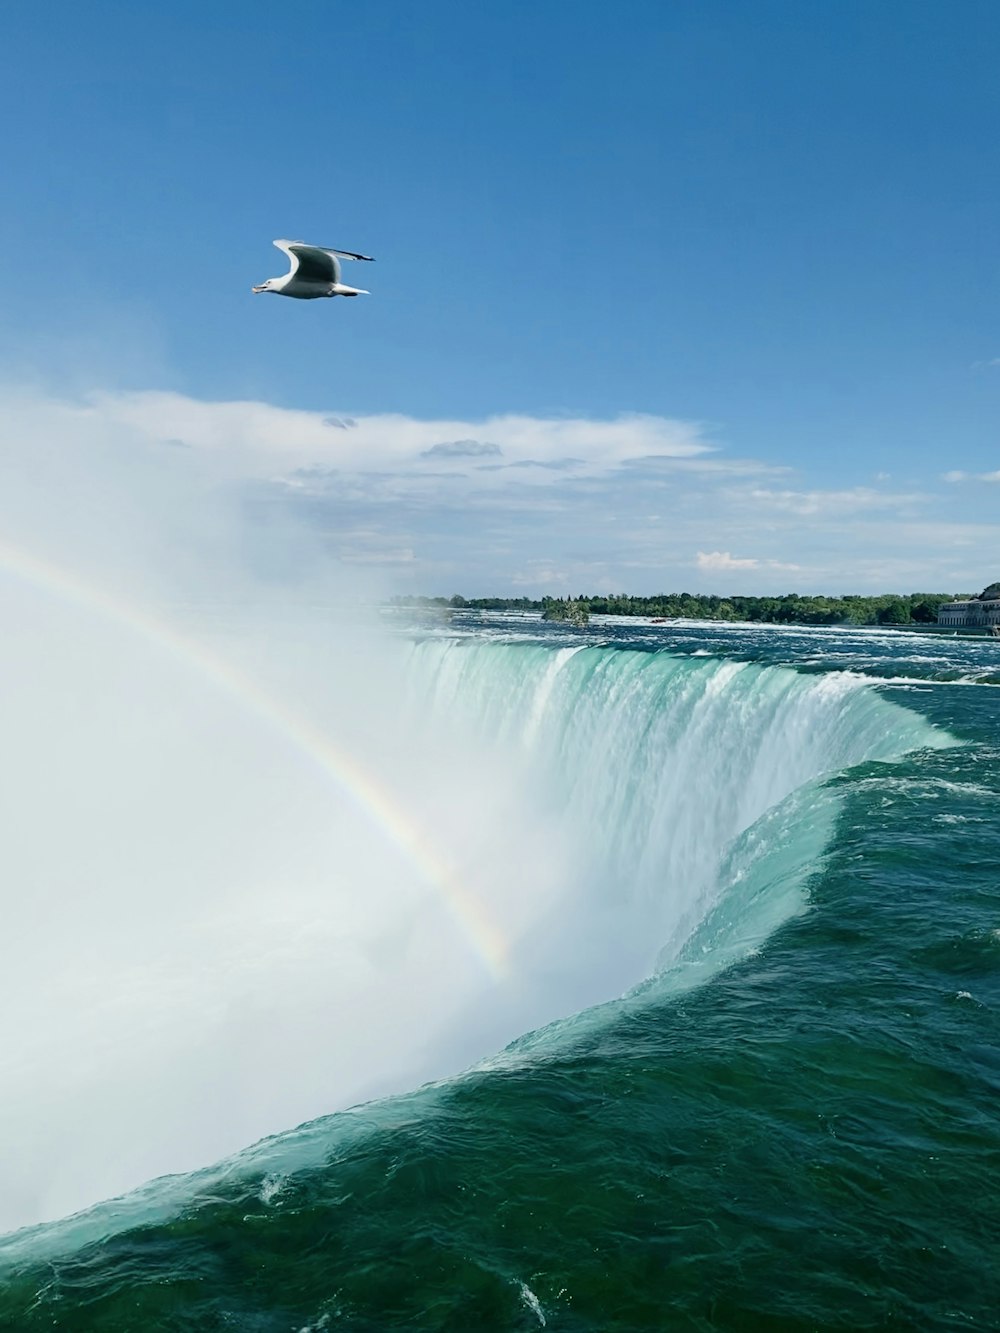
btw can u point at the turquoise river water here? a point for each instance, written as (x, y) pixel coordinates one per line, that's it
(757, 1084)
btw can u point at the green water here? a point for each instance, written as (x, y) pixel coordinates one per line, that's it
(808, 1140)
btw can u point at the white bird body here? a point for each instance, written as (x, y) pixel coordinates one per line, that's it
(315, 271)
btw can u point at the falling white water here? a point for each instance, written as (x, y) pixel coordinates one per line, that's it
(214, 931)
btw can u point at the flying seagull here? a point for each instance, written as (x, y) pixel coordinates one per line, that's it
(315, 272)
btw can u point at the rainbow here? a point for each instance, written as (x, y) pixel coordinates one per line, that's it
(350, 777)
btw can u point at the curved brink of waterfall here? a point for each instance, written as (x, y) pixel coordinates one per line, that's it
(694, 790)
(689, 801)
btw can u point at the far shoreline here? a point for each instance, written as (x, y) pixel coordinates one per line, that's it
(912, 612)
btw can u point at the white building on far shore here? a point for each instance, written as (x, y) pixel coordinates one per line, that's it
(971, 614)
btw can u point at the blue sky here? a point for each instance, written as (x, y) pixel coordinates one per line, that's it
(712, 287)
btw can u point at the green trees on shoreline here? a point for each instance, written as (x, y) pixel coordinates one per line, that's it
(918, 608)
(575, 612)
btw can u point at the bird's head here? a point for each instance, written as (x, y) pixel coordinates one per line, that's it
(264, 286)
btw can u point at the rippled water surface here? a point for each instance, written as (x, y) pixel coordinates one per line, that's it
(758, 1081)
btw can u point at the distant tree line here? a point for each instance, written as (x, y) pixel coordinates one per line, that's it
(575, 612)
(917, 608)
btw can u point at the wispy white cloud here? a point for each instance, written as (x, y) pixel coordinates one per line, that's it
(546, 577)
(716, 560)
(264, 440)
(722, 561)
(463, 449)
(567, 505)
(959, 475)
(855, 500)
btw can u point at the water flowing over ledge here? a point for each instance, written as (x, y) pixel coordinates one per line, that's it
(689, 789)
(613, 823)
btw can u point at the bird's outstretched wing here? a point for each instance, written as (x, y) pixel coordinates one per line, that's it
(310, 263)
